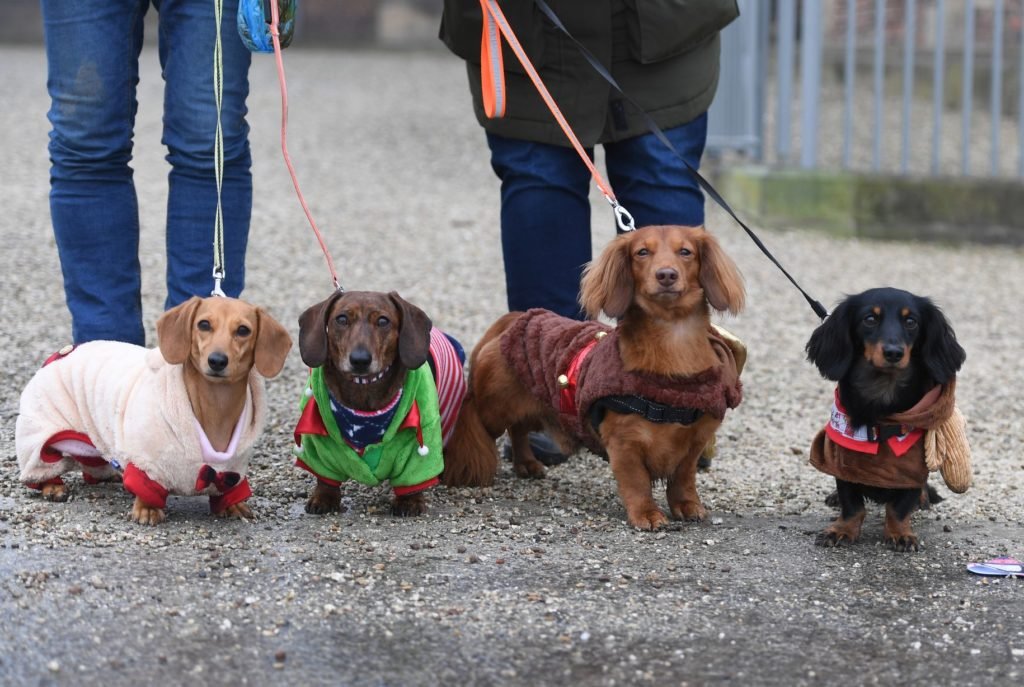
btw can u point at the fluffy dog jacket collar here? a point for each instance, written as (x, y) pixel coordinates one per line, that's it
(542, 346)
(396, 458)
(132, 406)
(930, 436)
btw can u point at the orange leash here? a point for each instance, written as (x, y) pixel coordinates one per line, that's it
(492, 75)
(275, 35)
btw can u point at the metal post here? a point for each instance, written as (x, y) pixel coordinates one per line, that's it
(787, 38)
(938, 83)
(968, 91)
(876, 153)
(910, 28)
(849, 71)
(764, 28)
(997, 82)
(810, 82)
(1020, 111)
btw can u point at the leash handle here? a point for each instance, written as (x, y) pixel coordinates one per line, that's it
(817, 307)
(493, 77)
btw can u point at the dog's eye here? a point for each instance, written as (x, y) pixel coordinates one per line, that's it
(342, 320)
(910, 323)
(243, 331)
(204, 326)
(871, 320)
(685, 252)
(643, 252)
(383, 322)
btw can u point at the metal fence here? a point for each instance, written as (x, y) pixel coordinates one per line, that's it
(923, 87)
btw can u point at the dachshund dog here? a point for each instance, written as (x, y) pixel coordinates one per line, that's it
(893, 354)
(648, 394)
(180, 419)
(384, 393)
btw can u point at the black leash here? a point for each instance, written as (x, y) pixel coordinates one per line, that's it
(817, 307)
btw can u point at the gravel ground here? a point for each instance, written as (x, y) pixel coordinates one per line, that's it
(524, 583)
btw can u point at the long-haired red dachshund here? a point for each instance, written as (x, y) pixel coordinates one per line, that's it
(895, 358)
(648, 393)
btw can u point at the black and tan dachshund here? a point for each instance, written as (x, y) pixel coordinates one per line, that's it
(887, 348)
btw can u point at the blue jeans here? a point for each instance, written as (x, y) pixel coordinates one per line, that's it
(92, 49)
(545, 209)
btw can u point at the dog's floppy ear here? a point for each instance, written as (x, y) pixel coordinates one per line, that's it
(608, 281)
(174, 331)
(414, 336)
(272, 344)
(940, 352)
(831, 346)
(719, 277)
(313, 331)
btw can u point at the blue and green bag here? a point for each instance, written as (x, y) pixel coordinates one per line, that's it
(254, 18)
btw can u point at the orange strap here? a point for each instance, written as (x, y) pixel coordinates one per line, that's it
(492, 72)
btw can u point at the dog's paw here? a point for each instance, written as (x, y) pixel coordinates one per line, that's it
(409, 506)
(55, 492)
(326, 498)
(648, 520)
(533, 469)
(903, 543)
(691, 511)
(315, 506)
(146, 515)
(239, 511)
(833, 538)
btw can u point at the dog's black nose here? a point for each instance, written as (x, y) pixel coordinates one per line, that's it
(217, 361)
(360, 359)
(892, 354)
(666, 276)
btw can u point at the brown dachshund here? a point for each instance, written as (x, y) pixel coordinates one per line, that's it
(648, 393)
(375, 407)
(178, 420)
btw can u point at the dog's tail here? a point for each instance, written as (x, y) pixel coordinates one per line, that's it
(470, 456)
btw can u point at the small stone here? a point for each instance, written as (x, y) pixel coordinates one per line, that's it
(280, 656)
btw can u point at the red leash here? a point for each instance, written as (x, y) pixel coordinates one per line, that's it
(275, 35)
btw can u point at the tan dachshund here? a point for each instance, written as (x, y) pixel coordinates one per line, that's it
(180, 419)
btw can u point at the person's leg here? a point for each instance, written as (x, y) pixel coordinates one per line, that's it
(92, 49)
(545, 223)
(652, 183)
(187, 35)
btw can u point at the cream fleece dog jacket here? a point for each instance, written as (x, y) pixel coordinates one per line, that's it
(133, 407)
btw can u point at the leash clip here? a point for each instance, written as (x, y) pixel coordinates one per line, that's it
(622, 216)
(218, 275)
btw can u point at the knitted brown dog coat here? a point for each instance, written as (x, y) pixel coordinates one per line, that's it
(541, 346)
(942, 446)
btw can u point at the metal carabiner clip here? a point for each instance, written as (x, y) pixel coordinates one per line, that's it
(218, 276)
(622, 216)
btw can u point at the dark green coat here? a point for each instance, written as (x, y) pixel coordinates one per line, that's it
(663, 53)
